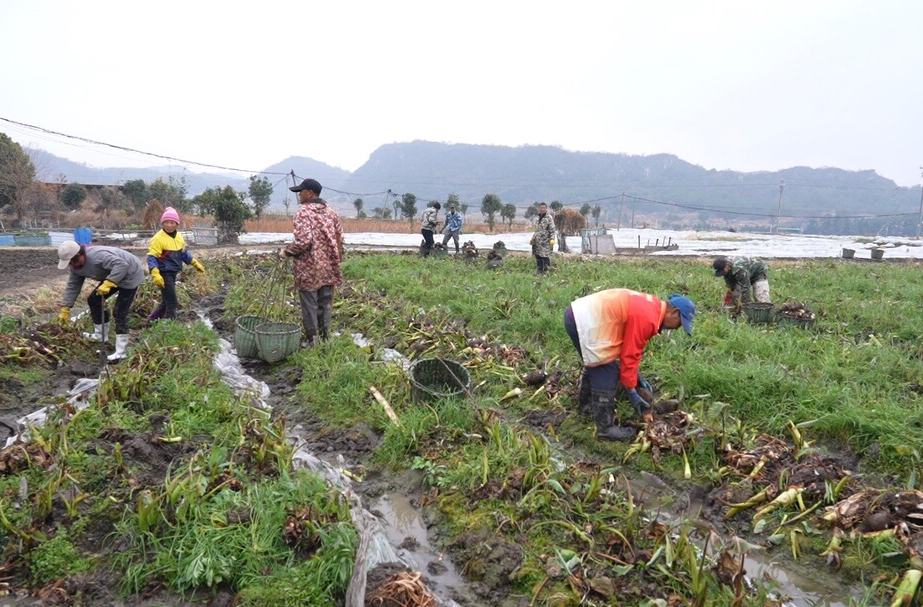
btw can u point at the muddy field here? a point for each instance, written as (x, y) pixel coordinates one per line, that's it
(387, 585)
(724, 509)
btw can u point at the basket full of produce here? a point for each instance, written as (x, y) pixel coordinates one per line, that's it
(796, 314)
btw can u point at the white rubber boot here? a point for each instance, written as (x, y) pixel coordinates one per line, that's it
(121, 345)
(96, 335)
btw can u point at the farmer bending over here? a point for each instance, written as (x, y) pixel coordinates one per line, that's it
(610, 329)
(119, 272)
(740, 275)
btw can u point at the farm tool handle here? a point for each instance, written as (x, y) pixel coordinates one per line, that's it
(104, 333)
(463, 385)
(275, 281)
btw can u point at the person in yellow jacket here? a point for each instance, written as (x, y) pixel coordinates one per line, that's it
(165, 258)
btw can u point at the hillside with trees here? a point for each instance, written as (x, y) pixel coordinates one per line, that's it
(659, 190)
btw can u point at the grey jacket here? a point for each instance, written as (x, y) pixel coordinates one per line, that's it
(104, 263)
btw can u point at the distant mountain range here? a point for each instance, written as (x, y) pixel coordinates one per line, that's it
(662, 189)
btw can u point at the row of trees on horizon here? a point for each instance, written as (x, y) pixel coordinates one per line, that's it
(25, 202)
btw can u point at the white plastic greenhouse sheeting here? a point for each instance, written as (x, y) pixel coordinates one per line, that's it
(690, 243)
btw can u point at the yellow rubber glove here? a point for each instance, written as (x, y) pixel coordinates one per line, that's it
(157, 278)
(198, 266)
(551, 243)
(104, 288)
(65, 315)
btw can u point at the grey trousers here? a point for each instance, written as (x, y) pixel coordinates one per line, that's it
(316, 309)
(451, 235)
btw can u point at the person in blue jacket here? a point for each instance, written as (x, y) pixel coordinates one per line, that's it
(165, 258)
(453, 227)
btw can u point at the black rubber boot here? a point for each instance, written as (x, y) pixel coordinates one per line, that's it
(584, 406)
(603, 410)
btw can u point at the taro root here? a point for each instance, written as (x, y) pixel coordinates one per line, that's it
(535, 378)
(796, 309)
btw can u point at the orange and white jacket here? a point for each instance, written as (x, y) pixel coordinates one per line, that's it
(616, 324)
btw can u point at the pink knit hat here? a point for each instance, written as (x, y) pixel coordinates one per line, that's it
(169, 214)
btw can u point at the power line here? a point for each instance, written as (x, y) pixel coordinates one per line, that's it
(390, 192)
(136, 151)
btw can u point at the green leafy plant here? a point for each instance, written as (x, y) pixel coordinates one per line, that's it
(56, 558)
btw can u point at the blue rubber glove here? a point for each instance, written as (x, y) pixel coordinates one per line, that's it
(635, 398)
(642, 407)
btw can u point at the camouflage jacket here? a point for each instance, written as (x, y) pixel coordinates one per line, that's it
(743, 273)
(318, 246)
(429, 219)
(544, 234)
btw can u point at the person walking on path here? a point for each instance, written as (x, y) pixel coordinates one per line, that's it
(166, 255)
(741, 274)
(428, 226)
(543, 239)
(317, 252)
(118, 271)
(610, 330)
(453, 227)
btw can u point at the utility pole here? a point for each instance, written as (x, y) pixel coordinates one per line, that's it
(779, 210)
(619, 227)
(920, 220)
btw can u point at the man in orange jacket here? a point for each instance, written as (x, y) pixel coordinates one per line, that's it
(610, 329)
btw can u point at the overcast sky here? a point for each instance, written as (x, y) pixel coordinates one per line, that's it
(736, 84)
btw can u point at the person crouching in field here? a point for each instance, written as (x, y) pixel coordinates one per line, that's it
(610, 330)
(118, 271)
(166, 255)
(741, 274)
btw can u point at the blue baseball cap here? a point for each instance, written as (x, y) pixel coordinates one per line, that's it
(686, 310)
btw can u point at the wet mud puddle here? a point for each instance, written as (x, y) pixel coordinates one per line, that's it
(799, 585)
(405, 529)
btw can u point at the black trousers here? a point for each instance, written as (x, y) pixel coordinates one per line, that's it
(168, 300)
(542, 264)
(122, 307)
(427, 240)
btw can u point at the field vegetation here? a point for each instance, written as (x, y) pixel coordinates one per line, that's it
(777, 424)
(803, 443)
